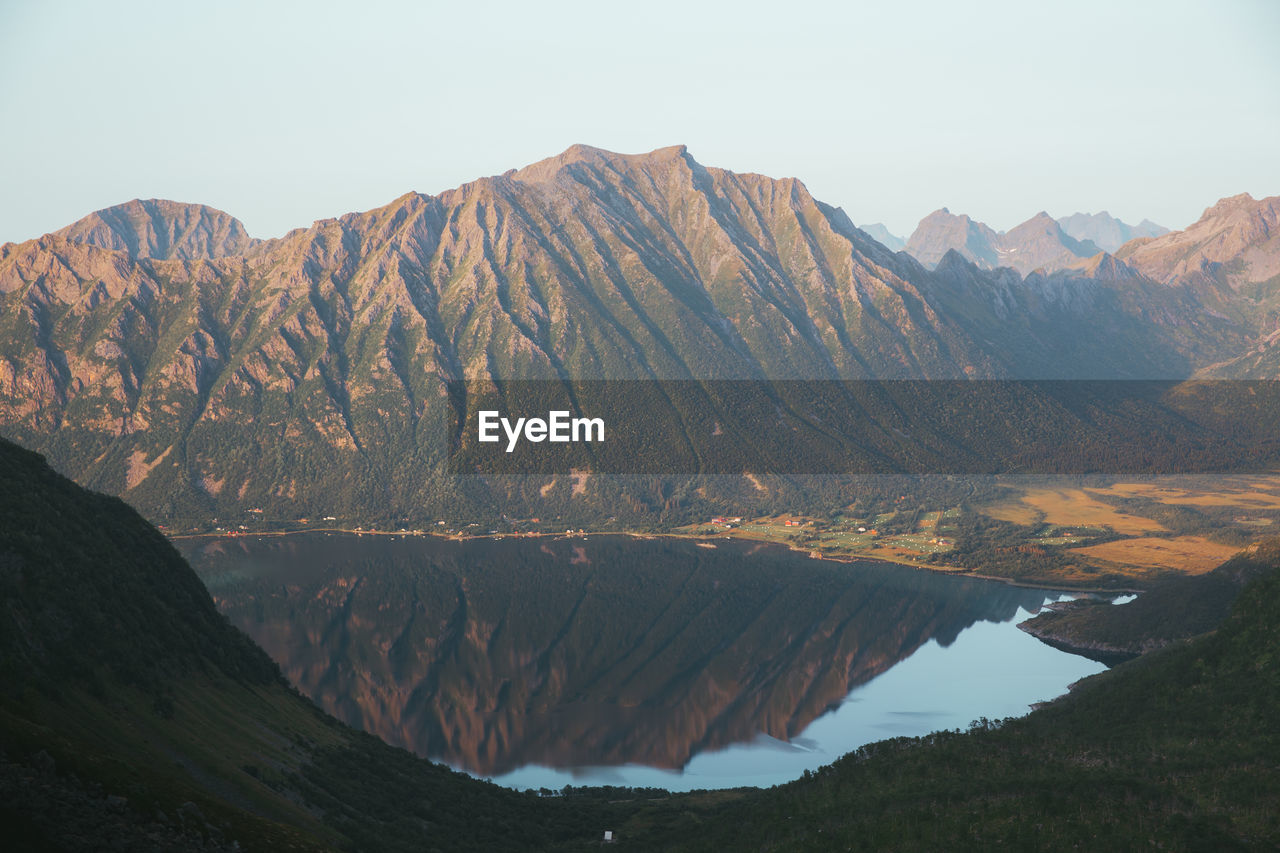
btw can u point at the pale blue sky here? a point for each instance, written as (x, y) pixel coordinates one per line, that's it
(283, 113)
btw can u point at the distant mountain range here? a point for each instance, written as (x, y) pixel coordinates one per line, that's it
(155, 350)
(1039, 244)
(1106, 232)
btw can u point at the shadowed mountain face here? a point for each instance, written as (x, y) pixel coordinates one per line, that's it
(493, 655)
(134, 717)
(156, 352)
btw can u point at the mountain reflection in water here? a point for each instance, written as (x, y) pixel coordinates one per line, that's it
(492, 655)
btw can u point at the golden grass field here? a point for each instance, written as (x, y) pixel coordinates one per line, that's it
(1148, 549)
(1190, 554)
(1070, 507)
(1222, 496)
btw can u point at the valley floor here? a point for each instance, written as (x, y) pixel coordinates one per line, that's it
(1104, 536)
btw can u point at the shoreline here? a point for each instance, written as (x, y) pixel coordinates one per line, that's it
(1048, 584)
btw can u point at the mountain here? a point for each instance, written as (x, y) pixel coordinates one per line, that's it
(1037, 244)
(162, 230)
(1231, 255)
(316, 374)
(1041, 244)
(1105, 231)
(1236, 241)
(942, 231)
(134, 717)
(883, 236)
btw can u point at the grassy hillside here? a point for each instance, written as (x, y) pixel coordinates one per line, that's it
(133, 714)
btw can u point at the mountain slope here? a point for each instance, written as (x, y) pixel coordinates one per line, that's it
(1231, 255)
(132, 714)
(942, 231)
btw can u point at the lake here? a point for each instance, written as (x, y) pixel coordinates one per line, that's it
(617, 660)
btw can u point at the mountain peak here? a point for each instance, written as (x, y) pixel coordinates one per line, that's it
(1228, 205)
(1237, 239)
(545, 170)
(161, 229)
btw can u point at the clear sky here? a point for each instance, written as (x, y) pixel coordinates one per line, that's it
(283, 113)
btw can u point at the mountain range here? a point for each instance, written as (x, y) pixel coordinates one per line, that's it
(156, 351)
(1042, 243)
(1106, 232)
(1081, 233)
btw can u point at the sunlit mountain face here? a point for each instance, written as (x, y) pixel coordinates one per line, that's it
(155, 351)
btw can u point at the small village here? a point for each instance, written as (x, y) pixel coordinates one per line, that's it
(885, 536)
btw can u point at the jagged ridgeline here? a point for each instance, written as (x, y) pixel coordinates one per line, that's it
(157, 352)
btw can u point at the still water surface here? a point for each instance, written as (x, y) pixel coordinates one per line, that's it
(612, 660)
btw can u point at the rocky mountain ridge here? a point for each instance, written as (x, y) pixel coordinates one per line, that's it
(155, 350)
